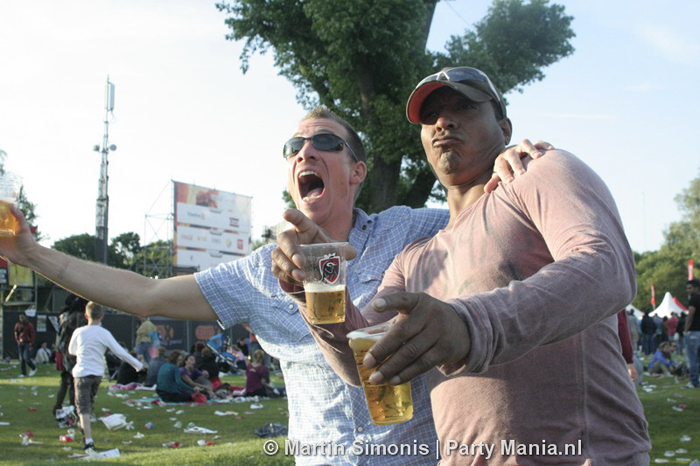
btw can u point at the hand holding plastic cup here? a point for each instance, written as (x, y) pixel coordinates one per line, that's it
(387, 404)
(9, 192)
(324, 282)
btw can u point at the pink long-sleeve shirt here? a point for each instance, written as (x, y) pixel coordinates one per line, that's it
(537, 270)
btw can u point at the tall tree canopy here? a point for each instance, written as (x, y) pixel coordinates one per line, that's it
(668, 267)
(361, 58)
(124, 252)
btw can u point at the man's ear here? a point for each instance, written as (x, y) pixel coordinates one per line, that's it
(507, 128)
(359, 173)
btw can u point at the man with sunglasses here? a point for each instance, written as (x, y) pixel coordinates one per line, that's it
(510, 310)
(327, 418)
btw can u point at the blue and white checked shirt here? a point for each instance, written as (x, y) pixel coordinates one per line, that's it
(326, 414)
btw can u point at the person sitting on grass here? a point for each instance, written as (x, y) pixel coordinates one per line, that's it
(257, 379)
(196, 378)
(170, 387)
(127, 375)
(662, 361)
(210, 367)
(43, 354)
(154, 367)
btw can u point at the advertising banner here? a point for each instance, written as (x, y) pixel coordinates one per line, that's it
(211, 226)
(202, 259)
(214, 240)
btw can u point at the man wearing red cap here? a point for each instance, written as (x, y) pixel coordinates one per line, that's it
(511, 309)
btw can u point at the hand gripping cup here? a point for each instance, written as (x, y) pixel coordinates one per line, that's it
(387, 404)
(9, 192)
(325, 282)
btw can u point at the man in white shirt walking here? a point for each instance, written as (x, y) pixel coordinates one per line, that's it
(89, 344)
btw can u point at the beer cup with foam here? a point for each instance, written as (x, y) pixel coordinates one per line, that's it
(324, 282)
(387, 404)
(9, 192)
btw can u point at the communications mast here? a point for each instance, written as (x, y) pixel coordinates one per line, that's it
(102, 211)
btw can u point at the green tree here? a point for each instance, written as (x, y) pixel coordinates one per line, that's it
(668, 271)
(123, 251)
(155, 259)
(28, 208)
(687, 232)
(361, 58)
(668, 267)
(81, 246)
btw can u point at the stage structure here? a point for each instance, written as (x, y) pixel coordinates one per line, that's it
(210, 226)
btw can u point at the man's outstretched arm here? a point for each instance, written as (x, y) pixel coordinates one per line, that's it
(177, 297)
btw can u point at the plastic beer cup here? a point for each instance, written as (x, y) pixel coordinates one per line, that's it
(387, 404)
(9, 192)
(324, 282)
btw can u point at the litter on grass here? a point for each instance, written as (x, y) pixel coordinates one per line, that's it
(271, 429)
(116, 422)
(199, 430)
(93, 455)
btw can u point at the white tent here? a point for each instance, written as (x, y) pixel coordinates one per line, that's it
(637, 313)
(667, 306)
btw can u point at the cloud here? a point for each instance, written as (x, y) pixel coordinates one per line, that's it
(671, 45)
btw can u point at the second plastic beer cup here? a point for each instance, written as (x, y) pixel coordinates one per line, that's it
(325, 282)
(387, 404)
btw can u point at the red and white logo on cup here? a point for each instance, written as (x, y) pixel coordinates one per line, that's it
(329, 266)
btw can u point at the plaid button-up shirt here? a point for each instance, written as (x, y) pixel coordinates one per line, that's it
(328, 419)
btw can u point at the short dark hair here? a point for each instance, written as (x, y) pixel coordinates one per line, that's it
(695, 282)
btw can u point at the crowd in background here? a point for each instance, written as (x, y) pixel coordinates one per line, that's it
(659, 339)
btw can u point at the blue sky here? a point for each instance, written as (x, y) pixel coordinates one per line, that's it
(625, 102)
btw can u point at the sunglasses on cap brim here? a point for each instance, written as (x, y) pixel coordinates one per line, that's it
(456, 75)
(324, 141)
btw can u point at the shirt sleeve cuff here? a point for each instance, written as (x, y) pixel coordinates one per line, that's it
(475, 360)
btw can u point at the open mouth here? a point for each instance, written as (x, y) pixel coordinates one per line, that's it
(311, 185)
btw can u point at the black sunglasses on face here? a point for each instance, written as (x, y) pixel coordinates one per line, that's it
(324, 141)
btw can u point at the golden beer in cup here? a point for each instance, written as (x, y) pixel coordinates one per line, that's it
(324, 284)
(387, 404)
(9, 191)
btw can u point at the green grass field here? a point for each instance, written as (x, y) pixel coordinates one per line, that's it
(26, 405)
(235, 441)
